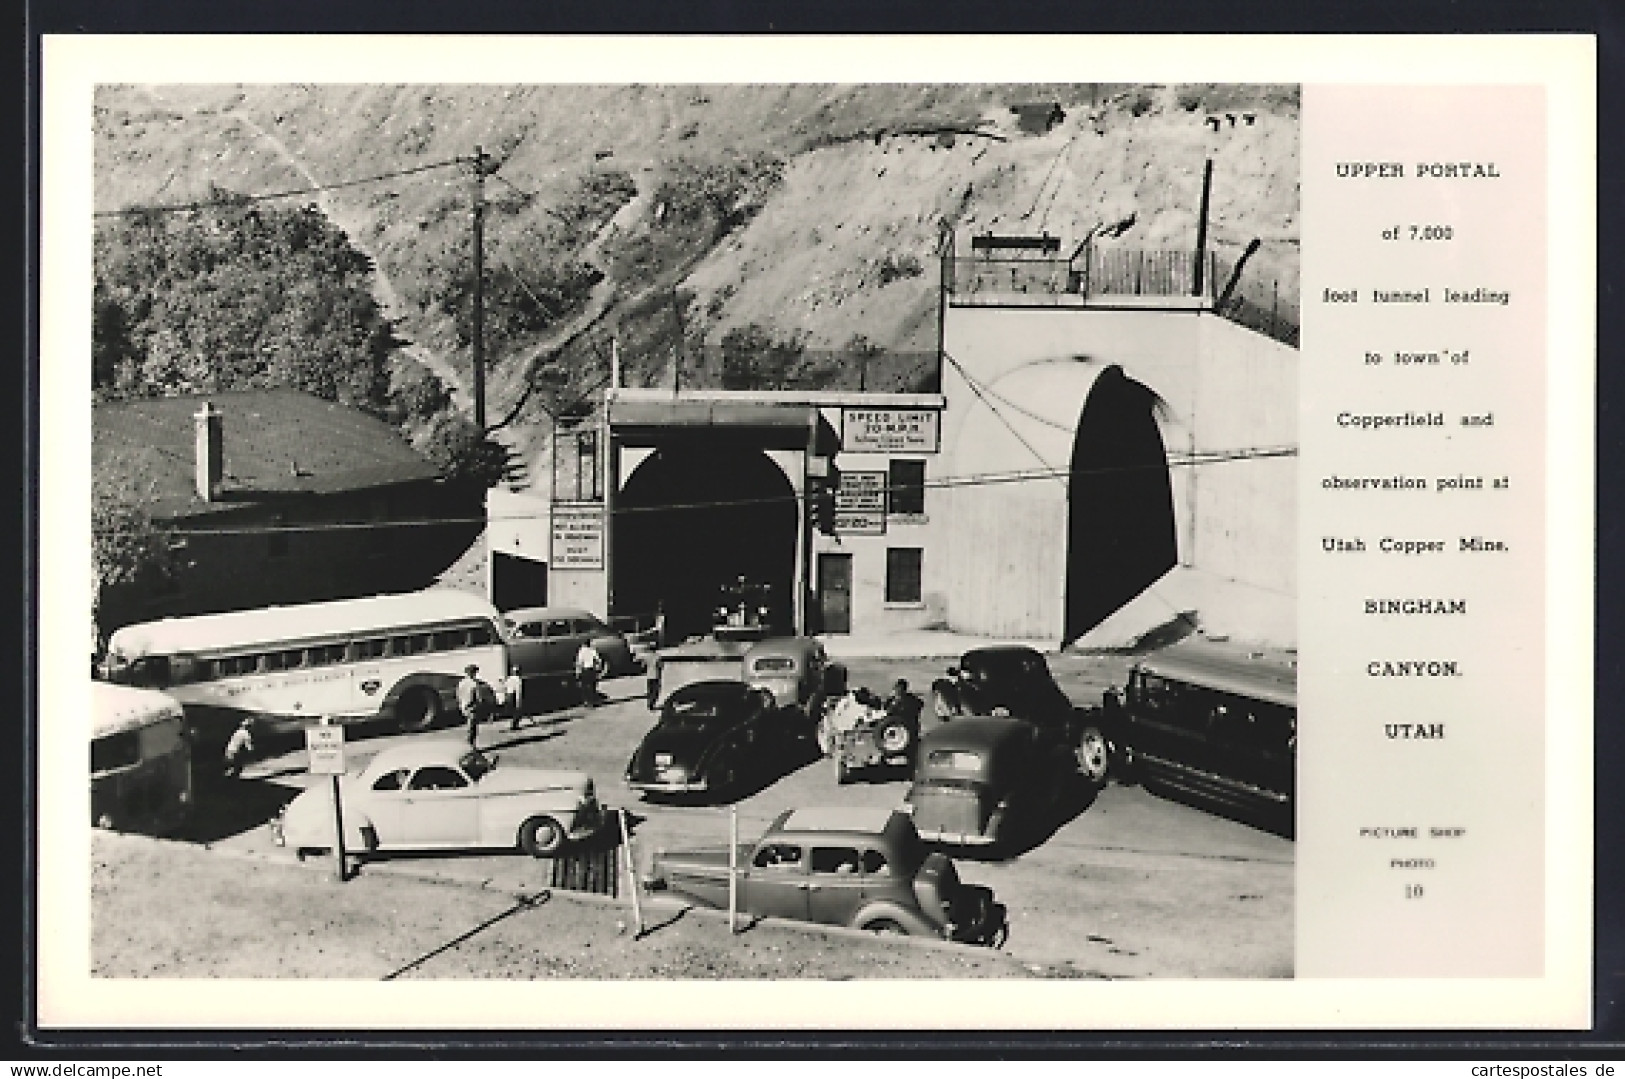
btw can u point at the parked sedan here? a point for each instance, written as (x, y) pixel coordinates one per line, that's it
(543, 642)
(864, 868)
(712, 736)
(981, 781)
(1014, 680)
(443, 795)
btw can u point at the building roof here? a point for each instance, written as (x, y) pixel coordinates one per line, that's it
(277, 442)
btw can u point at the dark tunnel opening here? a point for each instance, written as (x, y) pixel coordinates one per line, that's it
(695, 517)
(1120, 518)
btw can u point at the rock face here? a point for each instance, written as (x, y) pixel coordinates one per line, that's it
(811, 213)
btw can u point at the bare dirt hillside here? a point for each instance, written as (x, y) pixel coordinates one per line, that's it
(666, 216)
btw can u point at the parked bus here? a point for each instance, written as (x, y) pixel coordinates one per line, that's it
(396, 658)
(140, 760)
(1219, 722)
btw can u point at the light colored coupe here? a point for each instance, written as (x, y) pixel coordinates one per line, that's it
(441, 795)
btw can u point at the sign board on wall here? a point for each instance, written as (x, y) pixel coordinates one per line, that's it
(890, 430)
(860, 504)
(578, 540)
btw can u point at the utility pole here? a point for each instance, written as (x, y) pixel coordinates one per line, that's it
(483, 167)
(1199, 286)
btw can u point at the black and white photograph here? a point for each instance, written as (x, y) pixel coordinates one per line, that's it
(788, 507)
(638, 534)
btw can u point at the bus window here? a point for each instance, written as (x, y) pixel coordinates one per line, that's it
(374, 648)
(414, 644)
(482, 633)
(325, 655)
(228, 666)
(448, 640)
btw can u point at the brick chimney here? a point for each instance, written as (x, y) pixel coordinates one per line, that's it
(208, 424)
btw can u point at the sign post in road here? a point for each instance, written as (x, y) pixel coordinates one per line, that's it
(325, 745)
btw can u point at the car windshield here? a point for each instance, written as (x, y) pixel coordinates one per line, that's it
(697, 710)
(476, 764)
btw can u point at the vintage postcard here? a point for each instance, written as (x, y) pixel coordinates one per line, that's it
(721, 533)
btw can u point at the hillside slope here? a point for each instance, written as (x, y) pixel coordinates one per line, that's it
(666, 216)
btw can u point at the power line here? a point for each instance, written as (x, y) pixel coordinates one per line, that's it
(986, 479)
(237, 200)
(976, 389)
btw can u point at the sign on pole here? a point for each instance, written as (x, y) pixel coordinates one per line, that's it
(325, 745)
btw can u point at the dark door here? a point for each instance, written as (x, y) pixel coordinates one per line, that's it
(835, 592)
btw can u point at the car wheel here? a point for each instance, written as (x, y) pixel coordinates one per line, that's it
(895, 738)
(417, 710)
(1094, 756)
(541, 837)
(889, 927)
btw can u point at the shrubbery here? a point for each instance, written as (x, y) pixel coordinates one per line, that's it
(236, 295)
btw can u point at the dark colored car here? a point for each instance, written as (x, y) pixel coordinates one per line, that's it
(792, 668)
(983, 781)
(864, 868)
(714, 736)
(1219, 722)
(543, 642)
(704, 660)
(1016, 681)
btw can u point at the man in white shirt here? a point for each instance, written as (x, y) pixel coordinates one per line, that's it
(589, 666)
(513, 693)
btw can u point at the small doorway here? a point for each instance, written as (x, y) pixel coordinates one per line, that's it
(835, 593)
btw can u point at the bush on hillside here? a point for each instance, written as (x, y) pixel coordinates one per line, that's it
(236, 295)
(463, 453)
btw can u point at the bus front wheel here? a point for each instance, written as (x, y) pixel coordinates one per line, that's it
(417, 710)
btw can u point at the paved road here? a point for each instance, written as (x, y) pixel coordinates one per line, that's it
(1134, 885)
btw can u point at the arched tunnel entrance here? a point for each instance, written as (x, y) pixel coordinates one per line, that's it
(693, 518)
(1120, 517)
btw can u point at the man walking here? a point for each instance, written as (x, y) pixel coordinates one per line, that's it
(238, 749)
(476, 701)
(513, 693)
(589, 666)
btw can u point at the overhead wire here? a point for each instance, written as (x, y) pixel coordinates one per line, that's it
(986, 479)
(266, 196)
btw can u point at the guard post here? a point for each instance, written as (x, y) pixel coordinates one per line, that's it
(325, 745)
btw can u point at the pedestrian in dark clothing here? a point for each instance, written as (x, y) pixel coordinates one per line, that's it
(476, 700)
(904, 705)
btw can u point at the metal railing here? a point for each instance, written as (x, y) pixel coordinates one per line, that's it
(1095, 271)
(782, 368)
